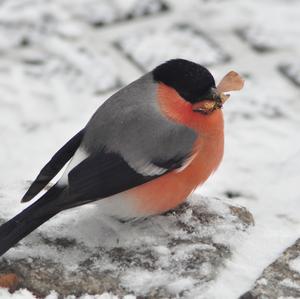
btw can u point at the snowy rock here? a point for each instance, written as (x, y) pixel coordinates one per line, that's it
(281, 279)
(160, 257)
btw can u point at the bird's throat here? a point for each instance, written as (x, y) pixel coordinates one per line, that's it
(181, 111)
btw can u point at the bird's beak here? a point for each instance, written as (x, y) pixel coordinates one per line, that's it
(216, 97)
(213, 100)
(219, 97)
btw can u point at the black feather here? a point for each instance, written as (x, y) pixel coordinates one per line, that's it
(28, 220)
(102, 175)
(191, 80)
(51, 169)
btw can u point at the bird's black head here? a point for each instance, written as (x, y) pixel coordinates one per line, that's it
(191, 80)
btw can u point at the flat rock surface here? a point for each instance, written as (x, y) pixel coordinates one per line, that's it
(160, 257)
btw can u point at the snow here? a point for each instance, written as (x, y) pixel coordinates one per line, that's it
(290, 283)
(143, 280)
(50, 89)
(295, 264)
(292, 70)
(25, 294)
(20, 294)
(263, 33)
(180, 285)
(185, 42)
(262, 281)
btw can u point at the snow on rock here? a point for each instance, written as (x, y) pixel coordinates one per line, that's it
(281, 279)
(25, 294)
(160, 257)
(20, 294)
(295, 264)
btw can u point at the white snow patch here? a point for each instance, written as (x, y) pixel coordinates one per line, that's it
(142, 280)
(262, 281)
(290, 283)
(295, 264)
(180, 285)
(175, 41)
(20, 294)
(25, 294)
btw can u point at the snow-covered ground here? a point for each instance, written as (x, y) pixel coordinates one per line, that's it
(57, 64)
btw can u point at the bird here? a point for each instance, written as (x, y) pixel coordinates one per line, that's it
(143, 152)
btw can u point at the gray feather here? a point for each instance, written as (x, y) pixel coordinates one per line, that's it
(130, 123)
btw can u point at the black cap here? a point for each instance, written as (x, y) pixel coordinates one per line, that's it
(191, 80)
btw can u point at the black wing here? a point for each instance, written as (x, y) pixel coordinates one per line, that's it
(103, 175)
(56, 163)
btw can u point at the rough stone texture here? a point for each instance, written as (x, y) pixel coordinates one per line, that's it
(189, 244)
(278, 280)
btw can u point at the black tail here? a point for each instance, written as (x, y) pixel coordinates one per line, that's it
(51, 169)
(28, 220)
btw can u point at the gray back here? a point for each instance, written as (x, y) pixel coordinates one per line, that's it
(130, 123)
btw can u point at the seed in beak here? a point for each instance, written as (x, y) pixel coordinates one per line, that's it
(207, 106)
(230, 82)
(224, 97)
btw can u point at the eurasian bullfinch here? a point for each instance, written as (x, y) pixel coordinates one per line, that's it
(142, 153)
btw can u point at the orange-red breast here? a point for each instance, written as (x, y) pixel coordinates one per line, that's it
(142, 153)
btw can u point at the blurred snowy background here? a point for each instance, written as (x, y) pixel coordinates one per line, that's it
(60, 59)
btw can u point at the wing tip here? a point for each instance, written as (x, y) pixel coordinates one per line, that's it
(26, 197)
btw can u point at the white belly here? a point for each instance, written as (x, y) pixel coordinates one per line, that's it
(119, 206)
